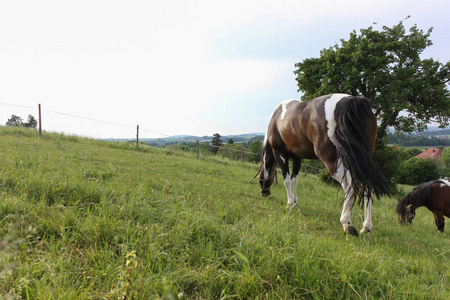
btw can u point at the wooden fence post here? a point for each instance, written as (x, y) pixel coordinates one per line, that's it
(40, 119)
(137, 138)
(198, 150)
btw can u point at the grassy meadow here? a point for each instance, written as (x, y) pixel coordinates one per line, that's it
(87, 219)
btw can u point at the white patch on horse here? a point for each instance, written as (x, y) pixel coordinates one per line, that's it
(284, 105)
(266, 172)
(343, 176)
(294, 181)
(330, 106)
(291, 189)
(446, 182)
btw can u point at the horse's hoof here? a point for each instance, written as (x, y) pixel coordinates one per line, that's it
(292, 205)
(365, 231)
(351, 230)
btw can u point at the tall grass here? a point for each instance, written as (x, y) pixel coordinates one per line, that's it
(85, 219)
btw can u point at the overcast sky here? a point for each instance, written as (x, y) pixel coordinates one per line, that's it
(177, 67)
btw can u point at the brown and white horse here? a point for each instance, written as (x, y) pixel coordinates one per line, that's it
(338, 129)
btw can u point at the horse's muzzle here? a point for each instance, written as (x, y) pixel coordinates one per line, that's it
(265, 193)
(405, 220)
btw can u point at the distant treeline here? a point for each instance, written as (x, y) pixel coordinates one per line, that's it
(409, 140)
(245, 139)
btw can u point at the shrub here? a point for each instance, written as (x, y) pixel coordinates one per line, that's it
(415, 171)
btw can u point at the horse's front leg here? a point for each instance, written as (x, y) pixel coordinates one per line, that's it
(439, 220)
(291, 189)
(296, 164)
(289, 183)
(367, 225)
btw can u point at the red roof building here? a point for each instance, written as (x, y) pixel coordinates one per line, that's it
(433, 153)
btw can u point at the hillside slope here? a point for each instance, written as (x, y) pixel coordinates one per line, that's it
(83, 219)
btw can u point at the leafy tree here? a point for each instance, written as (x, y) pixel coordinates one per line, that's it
(31, 122)
(386, 67)
(230, 140)
(256, 149)
(445, 158)
(256, 146)
(389, 159)
(216, 143)
(14, 121)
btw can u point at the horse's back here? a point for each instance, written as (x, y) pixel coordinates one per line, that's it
(291, 128)
(440, 197)
(306, 129)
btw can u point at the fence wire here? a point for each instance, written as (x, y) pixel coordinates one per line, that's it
(242, 151)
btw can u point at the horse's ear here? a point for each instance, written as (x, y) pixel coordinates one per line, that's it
(259, 171)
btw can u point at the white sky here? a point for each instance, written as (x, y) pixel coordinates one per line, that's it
(177, 67)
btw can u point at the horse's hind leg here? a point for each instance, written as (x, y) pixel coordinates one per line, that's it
(343, 176)
(367, 225)
(346, 214)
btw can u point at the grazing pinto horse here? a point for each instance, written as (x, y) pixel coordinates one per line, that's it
(338, 129)
(434, 195)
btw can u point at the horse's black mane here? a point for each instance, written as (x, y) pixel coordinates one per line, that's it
(418, 194)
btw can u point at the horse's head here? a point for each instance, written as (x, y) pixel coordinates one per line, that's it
(406, 213)
(266, 178)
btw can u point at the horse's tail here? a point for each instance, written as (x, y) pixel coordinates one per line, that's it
(355, 128)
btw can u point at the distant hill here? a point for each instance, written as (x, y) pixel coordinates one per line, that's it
(431, 132)
(193, 139)
(440, 133)
(430, 138)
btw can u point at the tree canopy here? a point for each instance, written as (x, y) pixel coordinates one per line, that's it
(406, 91)
(216, 143)
(16, 121)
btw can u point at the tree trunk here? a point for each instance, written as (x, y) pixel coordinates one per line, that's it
(384, 125)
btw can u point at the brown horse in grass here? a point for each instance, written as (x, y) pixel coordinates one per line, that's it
(434, 195)
(338, 129)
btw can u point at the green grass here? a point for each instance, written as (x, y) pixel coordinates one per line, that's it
(85, 219)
